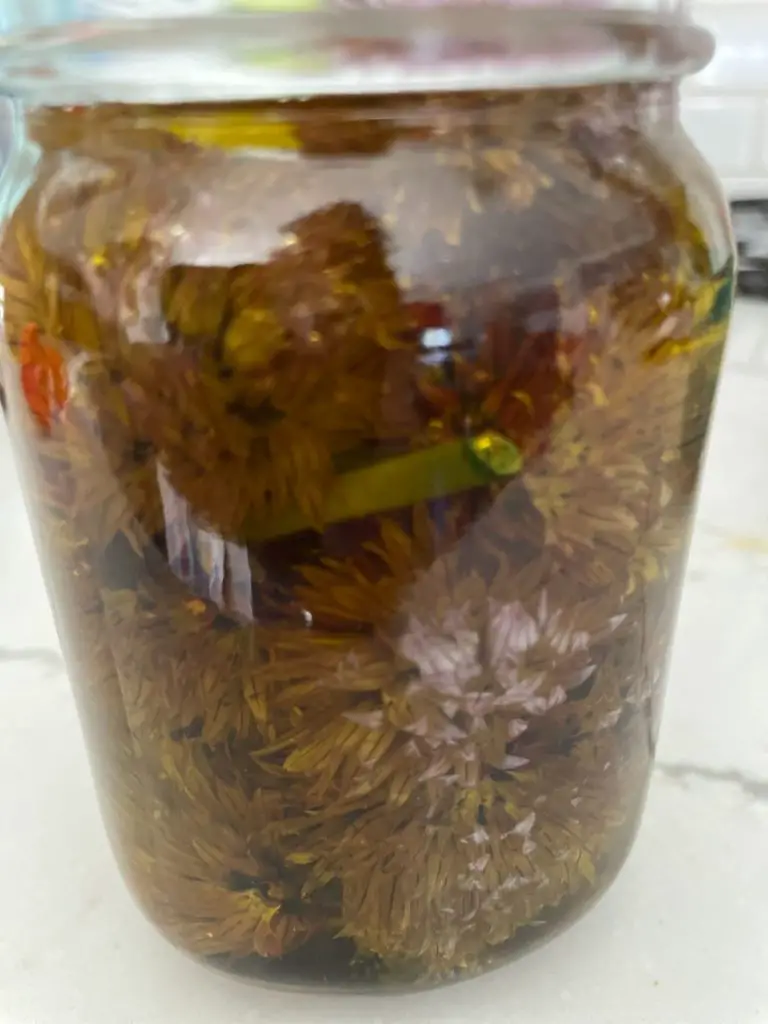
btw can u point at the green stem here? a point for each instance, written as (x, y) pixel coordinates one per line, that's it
(444, 469)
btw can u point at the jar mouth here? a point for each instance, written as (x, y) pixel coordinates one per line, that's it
(309, 53)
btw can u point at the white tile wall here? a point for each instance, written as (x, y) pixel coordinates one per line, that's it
(725, 108)
(727, 130)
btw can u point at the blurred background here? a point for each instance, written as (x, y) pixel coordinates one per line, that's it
(725, 109)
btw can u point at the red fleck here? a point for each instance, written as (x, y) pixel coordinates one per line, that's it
(43, 376)
(428, 315)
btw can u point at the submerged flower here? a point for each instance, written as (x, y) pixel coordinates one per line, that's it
(447, 660)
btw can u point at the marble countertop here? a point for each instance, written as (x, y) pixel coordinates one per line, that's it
(681, 938)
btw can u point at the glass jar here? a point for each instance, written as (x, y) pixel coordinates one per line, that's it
(359, 367)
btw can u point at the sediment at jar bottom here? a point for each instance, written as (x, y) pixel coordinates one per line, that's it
(366, 584)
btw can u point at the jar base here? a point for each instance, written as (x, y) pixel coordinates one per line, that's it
(329, 967)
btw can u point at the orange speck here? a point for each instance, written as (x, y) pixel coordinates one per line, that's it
(197, 607)
(43, 376)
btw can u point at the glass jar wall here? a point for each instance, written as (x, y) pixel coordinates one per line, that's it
(361, 436)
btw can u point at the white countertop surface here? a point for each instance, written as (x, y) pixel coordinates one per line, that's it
(681, 938)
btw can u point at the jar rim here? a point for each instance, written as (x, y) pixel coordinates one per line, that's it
(273, 55)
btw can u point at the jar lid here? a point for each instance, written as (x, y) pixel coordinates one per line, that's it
(215, 51)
